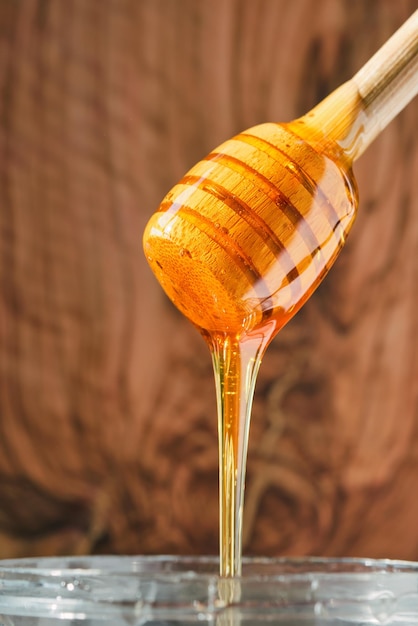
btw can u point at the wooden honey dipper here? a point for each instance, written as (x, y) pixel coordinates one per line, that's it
(246, 236)
(252, 229)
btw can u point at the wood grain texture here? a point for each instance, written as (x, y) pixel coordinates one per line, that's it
(107, 407)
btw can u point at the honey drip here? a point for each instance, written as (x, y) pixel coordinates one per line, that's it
(247, 235)
(235, 362)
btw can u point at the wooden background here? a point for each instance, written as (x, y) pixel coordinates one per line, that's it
(107, 408)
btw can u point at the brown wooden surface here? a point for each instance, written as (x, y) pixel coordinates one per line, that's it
(107, 410)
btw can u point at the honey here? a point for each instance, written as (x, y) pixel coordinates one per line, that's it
(250, 231)
(238, 245)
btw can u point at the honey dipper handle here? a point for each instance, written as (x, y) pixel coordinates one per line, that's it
(355, 113)
(388, 81)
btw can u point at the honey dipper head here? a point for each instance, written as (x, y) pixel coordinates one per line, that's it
(250, 231)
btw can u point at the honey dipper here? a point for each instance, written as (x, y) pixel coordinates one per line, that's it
(252, 229)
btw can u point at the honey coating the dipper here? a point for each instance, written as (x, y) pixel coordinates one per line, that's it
(250, 231)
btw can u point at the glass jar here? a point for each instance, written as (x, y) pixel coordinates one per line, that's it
(173, 591)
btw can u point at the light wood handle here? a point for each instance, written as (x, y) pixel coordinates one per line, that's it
(355, 113)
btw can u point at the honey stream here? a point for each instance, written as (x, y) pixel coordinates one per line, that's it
(235, 362)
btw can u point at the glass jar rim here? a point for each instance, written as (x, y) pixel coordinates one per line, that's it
(188, 589)
(201, 566)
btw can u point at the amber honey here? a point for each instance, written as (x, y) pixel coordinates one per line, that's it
(250, 231)
(238, 245)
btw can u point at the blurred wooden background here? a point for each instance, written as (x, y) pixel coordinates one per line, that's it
(107, 407)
